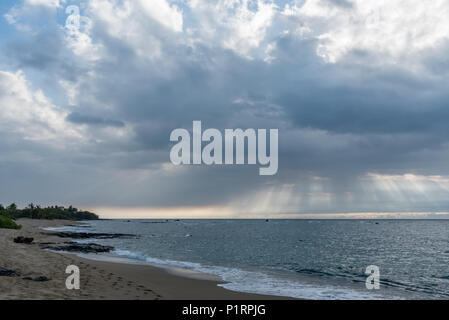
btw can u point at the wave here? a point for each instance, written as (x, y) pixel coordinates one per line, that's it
(79, 228)
(258, 282)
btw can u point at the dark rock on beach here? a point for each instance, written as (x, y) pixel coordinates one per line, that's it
(86, 235)
(79, 247)
(8, 273)
(23, 240)
(37, 279)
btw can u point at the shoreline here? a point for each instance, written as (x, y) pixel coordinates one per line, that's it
(98, 279)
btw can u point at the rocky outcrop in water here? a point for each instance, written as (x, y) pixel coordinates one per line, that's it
(78, 247)
(87, 235)
(154, 222)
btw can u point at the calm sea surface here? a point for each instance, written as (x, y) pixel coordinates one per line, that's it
(315, 259)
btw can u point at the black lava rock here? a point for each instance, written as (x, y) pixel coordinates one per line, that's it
(85, 235)
(8, 273)
(80, 247)
(37, 279)
(23, 240)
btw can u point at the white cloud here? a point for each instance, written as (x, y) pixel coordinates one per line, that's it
(79, 40)
(394, 32)
(391, 28)
(248, 28)
(46, 3)
(134, 25)
(20, 14)
(123, 17)
(32, 115)
(406, 188)
(239, 25)
(167, 15)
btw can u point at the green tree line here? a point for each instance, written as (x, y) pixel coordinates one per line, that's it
(51, 213)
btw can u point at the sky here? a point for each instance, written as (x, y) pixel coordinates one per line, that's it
(357, 89)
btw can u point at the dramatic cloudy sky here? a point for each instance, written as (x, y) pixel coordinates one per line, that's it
(359, 91)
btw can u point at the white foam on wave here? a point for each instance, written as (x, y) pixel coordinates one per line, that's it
(78, 229)
(258, 282)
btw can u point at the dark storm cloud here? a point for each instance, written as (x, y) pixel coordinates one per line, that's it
(41, 52)
(338, 121)
(75, 117)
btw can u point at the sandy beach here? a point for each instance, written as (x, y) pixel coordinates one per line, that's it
(99, 279)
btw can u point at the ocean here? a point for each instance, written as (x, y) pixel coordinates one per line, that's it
(311, 259)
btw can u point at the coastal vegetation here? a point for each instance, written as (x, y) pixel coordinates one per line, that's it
(8, 223)
(12, 212)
